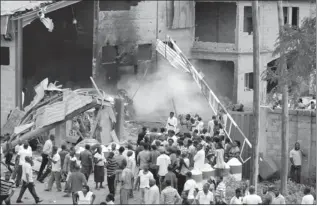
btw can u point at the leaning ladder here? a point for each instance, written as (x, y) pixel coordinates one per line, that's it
(172, 53)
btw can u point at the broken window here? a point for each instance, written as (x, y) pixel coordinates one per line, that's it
(285, 14)
(248, 81)
(144, 52)
(5, 56)
(295, 15)
(109, 54)
(247, 21)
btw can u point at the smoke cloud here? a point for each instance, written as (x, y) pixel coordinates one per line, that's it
(158, 90)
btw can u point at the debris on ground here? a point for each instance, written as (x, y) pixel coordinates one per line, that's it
(52, 106)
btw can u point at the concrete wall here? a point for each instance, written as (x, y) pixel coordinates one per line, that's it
(8, 82)
(268, 22)
(302, 128)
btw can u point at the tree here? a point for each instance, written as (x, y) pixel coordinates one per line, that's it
(299, 48)
(297, 63)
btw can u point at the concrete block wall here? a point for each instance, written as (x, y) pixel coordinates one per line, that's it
(8, 82)
(302, 128)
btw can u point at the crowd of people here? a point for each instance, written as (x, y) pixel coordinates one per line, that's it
(160, 168)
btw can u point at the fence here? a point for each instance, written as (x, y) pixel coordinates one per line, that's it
(244, 121)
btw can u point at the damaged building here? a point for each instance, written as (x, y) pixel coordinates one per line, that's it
(69, 41)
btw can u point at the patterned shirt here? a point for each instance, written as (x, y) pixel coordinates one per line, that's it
(170, 196)
(6, 186)
(111, 166)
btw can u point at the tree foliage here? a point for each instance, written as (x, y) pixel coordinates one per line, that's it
(298, 45)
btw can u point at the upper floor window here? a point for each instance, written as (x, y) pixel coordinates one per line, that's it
(247, 20)
(295, 16)
(248, 81)
(5, 56)
(285, 15)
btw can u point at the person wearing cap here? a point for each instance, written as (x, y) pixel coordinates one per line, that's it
(278, 198)
(252, 198)
(7, 187)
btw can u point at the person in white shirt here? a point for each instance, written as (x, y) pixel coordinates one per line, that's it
(252, 198)
(23, 152)
(237, 199)
(190, 187)
(171, 135)
(278, 199)
(171, 122)
(143, 183)
(199, 158)
(56, 171)
(2, 157)
(211, 125)
(47, 150)
(18, 146)
(205, 197)
(200, 125)
(84, 197)
(153, 194)
(296, 156)
(308, 199)
(28, 183)
(223, 116)
(162, 162)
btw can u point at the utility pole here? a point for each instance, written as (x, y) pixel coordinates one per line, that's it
(285, 124)
(256, 93)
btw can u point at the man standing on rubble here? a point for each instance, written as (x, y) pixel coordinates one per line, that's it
(86, 161)
(47, 150)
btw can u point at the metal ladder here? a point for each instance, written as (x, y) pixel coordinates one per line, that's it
(172, 53)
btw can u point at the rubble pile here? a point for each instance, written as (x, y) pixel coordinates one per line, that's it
(52, 106)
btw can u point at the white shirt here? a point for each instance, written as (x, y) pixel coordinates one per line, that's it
(27, 169)
(252, 200)
(199, 159)
(100, 157)
(174, 138)
(84, 200)
(308, 200)
(56, 167)
(163, 161)
(297, 157)
(22, 98)
(236, 201)
(24, 153)
(2, 158)
(145, 179)
(211, 126)
(200, 126)
(172, 121)
(48, 146)
(205, 199)
(17, 148)
(191, 186)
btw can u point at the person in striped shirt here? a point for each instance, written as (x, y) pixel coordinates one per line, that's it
(220, 194)
(7, 188)
(111, 166)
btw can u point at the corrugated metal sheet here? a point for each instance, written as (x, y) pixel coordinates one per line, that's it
(11, 7)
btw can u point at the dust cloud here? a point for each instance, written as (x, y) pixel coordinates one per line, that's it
(158, 90)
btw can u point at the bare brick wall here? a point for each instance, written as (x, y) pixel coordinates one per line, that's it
(302, 128)
(7, 83)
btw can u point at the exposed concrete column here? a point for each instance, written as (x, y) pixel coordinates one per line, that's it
(290, 13)
(119, 107)
(19, 63)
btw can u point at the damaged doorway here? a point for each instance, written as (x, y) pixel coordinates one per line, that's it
(63, 55)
